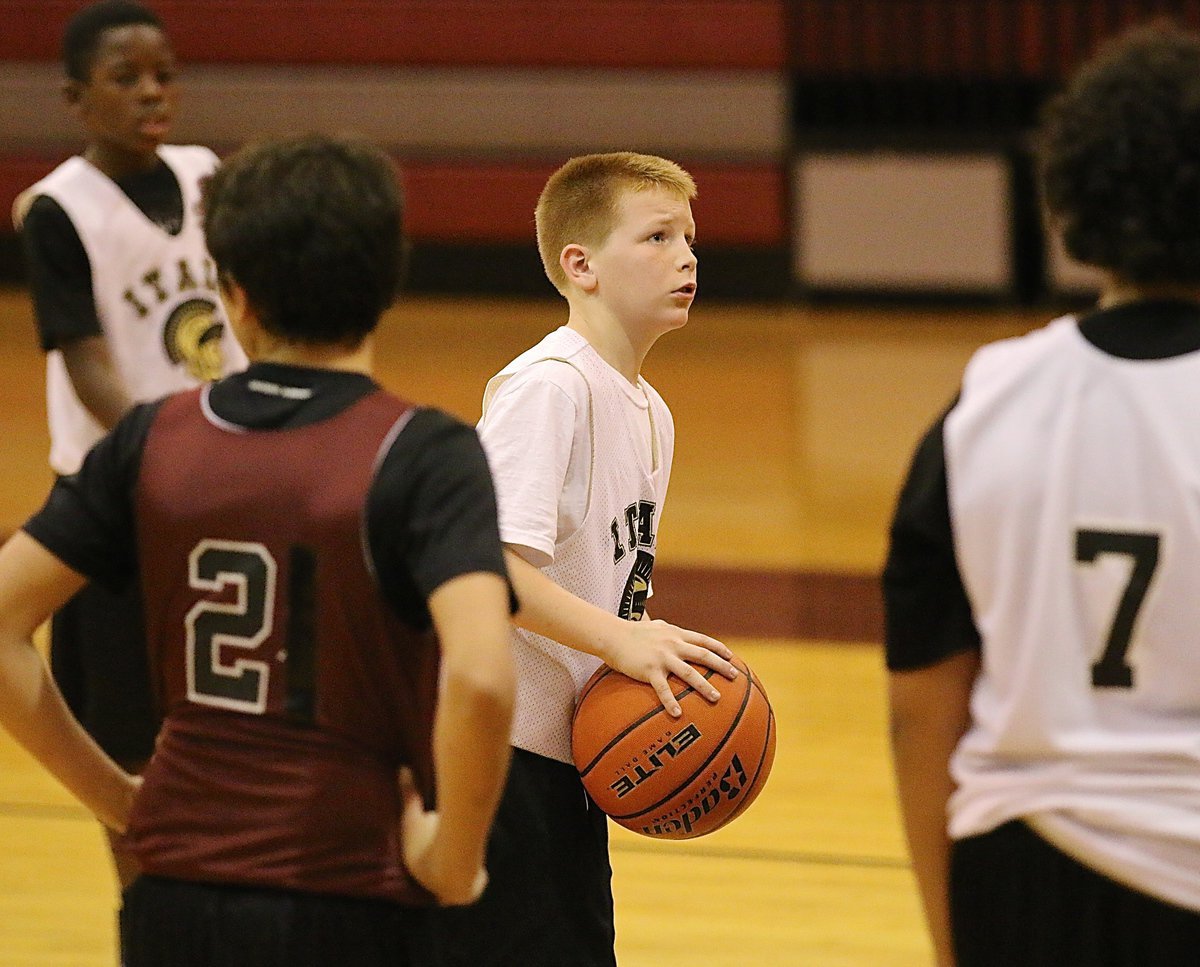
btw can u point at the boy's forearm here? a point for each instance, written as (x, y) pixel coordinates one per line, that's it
(33, 584)
(34, 713)
(929, 714)
(924, 791)
(553, 612)
(95, 379)
(649, 651)
(473, 722)
(471, 755)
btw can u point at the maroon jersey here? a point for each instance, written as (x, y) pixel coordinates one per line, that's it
(291, 693)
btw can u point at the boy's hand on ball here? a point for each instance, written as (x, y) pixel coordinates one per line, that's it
(652, 650)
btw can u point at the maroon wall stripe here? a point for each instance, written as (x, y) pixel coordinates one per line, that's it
(724, 602)
(17, 174)
(493, 203)
(1041, 39)
(660, 34)
(737, 206)
(769, 604)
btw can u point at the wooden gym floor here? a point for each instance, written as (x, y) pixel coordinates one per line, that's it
(794, 426)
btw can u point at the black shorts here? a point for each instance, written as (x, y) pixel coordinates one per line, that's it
(98, 658)
(548, 902)
(1016, 899)
(170, 923)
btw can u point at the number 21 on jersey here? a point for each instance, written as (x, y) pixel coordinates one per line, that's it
(224, 666)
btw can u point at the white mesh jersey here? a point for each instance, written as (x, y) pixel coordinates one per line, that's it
(156, 294)
(581, 460)
(1074, 486)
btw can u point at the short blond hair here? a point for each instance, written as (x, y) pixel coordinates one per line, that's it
(580, 201)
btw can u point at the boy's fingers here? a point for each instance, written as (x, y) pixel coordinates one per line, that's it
(702, 656)
(696, 679)
(410, 799)
(710, 644)
(662, 688)
(481, 882)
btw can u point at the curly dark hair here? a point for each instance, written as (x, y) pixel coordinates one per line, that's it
(312, 228)
(1120, 158)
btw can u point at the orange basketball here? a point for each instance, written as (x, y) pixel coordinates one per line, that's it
(673, 778)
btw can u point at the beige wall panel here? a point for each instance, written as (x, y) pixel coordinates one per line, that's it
(484, 112)
(903, 221)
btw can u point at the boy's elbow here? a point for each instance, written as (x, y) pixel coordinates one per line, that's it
(488, 686)
(933, 701)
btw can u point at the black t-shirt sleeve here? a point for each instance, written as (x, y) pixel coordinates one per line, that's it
(927, 615)
(431, 513)
(60, 275)
(88, 520)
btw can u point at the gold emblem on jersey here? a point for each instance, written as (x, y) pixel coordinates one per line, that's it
(192, 337)
(637, 588)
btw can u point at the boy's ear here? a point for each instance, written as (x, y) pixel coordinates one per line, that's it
(576, 263)
(239, 313)
(233, 295)
(72, 92)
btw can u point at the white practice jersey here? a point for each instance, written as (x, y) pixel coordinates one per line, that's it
(156, 295)
(1074, 494)
(581, 460)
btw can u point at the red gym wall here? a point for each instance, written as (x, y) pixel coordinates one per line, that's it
(480, 99)
(794, 115)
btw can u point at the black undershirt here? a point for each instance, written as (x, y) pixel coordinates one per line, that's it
(60, 274)
(1151, 329)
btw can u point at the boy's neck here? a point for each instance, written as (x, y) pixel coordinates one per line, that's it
(315, 356)
(1117, 292)
(612, 342)
(119, 164)
(263, 346)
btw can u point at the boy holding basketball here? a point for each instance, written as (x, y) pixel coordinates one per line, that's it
(580, 448)
(127, 309)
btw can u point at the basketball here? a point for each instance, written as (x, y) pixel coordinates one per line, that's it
(671, 778)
